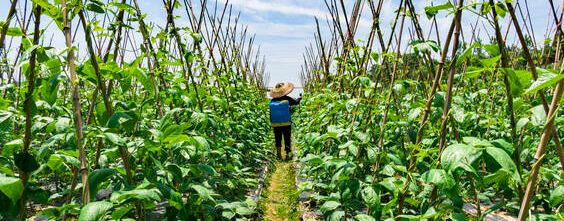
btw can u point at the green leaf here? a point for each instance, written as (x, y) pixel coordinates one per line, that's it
(148, 195)
(414, 114)
(114, 139)
(228, 214)
(546, 79)
(11, 187)
(439, 177)
(556, 196)
(97, 177)
(500, 9)
(467, 53)
(458, 217)
(117, 119)
(492, 49)
(506, 146)
(336, 216)
(198, 38)
(514, 82)
(189, 56)
(422, 47)
(95, 8)
(329, 206)
(522, 123)
(431, 11)
(364, 217)
(95, 211)
(26, 162)
(203, 192)
(125, 7)
(371, 198)
(538, 116)
(459, 156)
(489, 62)
(14, 32)
(503, 161)
(51, 11)
(243, 211)
(144, 79)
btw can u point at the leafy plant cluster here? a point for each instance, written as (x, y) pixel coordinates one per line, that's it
(174, 134)
(408, 136)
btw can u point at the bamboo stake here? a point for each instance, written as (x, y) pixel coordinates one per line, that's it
(532, 66)
(505, 64)
(77, 107)
(28, 106)
(6, 25)
(541, 149)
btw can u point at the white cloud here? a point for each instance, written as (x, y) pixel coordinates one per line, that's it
(290, 9)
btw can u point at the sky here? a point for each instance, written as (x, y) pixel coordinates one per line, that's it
(284, 27)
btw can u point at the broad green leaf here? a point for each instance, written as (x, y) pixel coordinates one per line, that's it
(114, 139)
(51, 11)
(414, 114)
(121, 211)
(26, 162)
(364, 217)
(476, 142)
(11, 187)
(203, 192)
(522, 123)
(545, 79)
(493, 50)
(95, 211)
(243, 211)
(458, 217)
(97, 177)
(467, 53)
(69, 160)
(198, 38)
(178, 138)
(117, 119)
(95, 8)
(503, 160)
(514, 82)
(228, 214)
(538, 116)
(174, 198)
(500, 9)
(202, 142)
(458, 113)
(431, 11)
(336, 215)
(14, 32)
(472, 72)
(125, 7)
(62, 124)
(148, 195)
(504, 145)
(370, 196)
(439, 177)
(144, 79)
(329, 206)
(459, 156)
(489, 62)
(556, 196)
(423, 47)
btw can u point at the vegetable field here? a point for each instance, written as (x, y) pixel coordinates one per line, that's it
(131, 120)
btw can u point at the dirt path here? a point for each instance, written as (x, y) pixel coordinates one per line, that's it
(282, 199)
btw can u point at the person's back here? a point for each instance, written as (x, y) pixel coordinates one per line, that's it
(280, 116)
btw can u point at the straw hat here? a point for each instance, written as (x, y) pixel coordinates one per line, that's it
(281, 89)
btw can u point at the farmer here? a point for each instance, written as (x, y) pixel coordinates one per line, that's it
(280, 116)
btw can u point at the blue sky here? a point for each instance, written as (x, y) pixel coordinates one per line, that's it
(284, 27)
